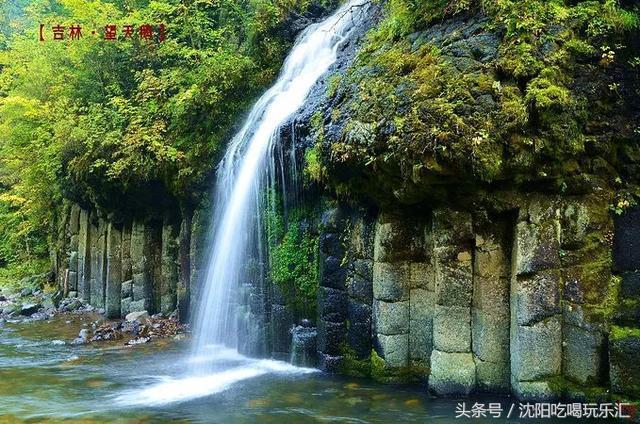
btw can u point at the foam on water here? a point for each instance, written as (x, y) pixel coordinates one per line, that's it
(180, 389)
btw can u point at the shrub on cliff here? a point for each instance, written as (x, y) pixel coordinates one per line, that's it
(486, 92)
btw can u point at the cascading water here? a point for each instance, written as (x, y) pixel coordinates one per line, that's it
(247, 166)
(242, 175)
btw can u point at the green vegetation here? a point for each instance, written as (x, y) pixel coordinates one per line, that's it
(130, 126)
(293, 254)
(516, 92)
(619, 333)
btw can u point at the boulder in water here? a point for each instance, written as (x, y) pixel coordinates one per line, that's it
(303, 345)
(83, 337)
(70, 304)
(137, 341)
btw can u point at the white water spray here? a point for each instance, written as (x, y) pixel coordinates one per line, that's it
(241, 177)
(215, 364)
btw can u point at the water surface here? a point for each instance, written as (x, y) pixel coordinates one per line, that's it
(44, 381)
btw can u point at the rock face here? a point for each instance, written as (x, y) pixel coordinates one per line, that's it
(123, 267)
(522, 300)
(303, 346)
(536, 296)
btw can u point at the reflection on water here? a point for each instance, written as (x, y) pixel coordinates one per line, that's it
(41, 381)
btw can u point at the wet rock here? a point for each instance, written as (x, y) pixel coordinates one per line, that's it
(141, 316)
(452, 373)
(132, 327)
(83, 337)
(452, 329)
(390, 281)
(29, 309)
(26, 292)
(303, 346)
(137, 341)
(70, 304)
(9, 310)
(107, 331)
(391, 318)
(627, 240)
(330, 337)
(624, 348)
(394, 349)
(58, 342)
(330, 364)
(2, 298)
(332, 304)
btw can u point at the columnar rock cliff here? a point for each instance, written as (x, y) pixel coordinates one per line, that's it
(129, 266)
(538, 297)
(479, 237)
(525, 300)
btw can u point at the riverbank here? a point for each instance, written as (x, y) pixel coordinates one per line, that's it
(90, 323)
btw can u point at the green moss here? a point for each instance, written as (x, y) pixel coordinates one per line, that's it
(293, 254)
(313, 168)
(333, 82)
(561, 387)
(412, 373)
(353, 366)
(619, 333)
(378, 367)
(412, 115)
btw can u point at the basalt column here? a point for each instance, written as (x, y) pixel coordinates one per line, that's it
(142, 289)
(453, 368)
(624, 341)
(490, 306)
(114, 271)
(74, 228)
(536, 319)
(359, 283)
(126, 289)
(84, 256)
(332, 295)
(169, 267)
(98, 238)
(402, 297)
(184, 269)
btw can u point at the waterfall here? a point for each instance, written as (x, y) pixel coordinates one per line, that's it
(241, 180)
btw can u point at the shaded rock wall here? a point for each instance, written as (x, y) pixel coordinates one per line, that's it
(540, 298)
(123, 267)
(525, 300)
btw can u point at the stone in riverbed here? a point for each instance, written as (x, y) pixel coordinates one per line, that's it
(29, 309)
(137, 316)
(83, 337)
(139, 340)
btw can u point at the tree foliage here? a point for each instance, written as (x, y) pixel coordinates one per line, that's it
(130, 124)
